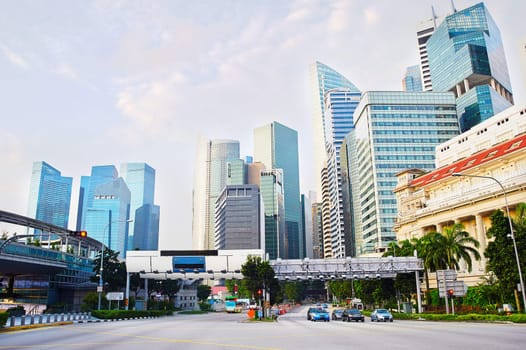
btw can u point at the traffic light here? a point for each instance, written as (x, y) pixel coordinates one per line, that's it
(450, 292)
(81, 234)
(259, 292)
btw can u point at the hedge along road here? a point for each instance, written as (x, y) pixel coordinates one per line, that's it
(292, 331)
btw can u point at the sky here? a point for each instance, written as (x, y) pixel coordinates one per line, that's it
(101, 82)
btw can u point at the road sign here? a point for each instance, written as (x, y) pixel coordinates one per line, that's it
(115, 296)
(459, 288)
(448, 275)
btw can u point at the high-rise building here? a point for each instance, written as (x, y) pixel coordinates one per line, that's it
(276, 146)
(107, 219)
(466, 57)
(49, 195)
(238, 218)
(393, 131)
(144, 214)
(99, 174)
(272, 193)
(213, 157)
(307, 223)
(323, 78)
(340, 104)
(424, 31)
(317, 231)
(412, 81)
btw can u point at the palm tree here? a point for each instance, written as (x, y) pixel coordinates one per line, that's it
(455, 245)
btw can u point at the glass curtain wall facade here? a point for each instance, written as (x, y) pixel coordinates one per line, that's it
(412, 81)
(49, 195)
(271, 188)
(107, 218)
(323, 78)
(276, 146)
(466, 57)
(210, 178)
(143, 230)
(393, 131)
(340, 105)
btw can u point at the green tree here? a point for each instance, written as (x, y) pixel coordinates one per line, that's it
(453, 246)
(113, 272)
(294, 290)
(500, 251)
(259, 275)
(203, 292)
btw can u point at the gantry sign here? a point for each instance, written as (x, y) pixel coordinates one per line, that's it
(348, 268)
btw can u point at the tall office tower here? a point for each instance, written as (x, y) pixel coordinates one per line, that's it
(350, 177)
(236, 172)
(276, 146)
(238, 218)
(307, 221)
(99, 174)
(466, 57)
(107, 218)
(271, 188)
(210, 179)
(49, 195)
(412, 81)
(323, 78)
(317, 231)
(423, 32)
(144, 214)
(393, 131)
(326, 243)
(340, 104)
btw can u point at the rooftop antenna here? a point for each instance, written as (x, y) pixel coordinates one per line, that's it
(453, 6)
(434, 17)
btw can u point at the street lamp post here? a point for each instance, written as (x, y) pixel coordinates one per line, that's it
(511, 230)
(100, 287)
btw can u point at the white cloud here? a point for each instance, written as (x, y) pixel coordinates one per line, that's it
(14, 58)
(66, 71)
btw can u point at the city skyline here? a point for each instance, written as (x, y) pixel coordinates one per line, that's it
(77, 97)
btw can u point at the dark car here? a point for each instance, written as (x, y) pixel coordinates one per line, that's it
(352, 315)
(381, 315)
(337, 314)
(318, 314)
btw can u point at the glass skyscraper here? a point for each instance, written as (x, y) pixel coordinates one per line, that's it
(49, 195)
(99, 174)
(271, 188)
(412, 81)
(210, 177)
(323, 78)
(144, 227)
(276, 146)
(466, 57)
(106, 220)
(393, 131)
(340, 105)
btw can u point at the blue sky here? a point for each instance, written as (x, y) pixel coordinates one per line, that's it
(106, 82)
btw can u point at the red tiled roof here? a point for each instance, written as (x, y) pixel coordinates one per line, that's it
(502, 149)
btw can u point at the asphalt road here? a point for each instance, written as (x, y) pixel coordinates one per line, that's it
(292, 331)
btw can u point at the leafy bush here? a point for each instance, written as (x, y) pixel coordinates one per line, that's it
(16, 311)
(125, 314)
(4, 316)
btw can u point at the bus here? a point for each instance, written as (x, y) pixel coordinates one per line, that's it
(232, 304)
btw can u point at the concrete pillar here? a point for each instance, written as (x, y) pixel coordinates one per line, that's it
(466, 85)
(439, 227)
(22, 320)
(12, 321)
(481, 232)
(459, 90)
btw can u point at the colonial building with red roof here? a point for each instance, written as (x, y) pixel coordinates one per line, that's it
(489, 154)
